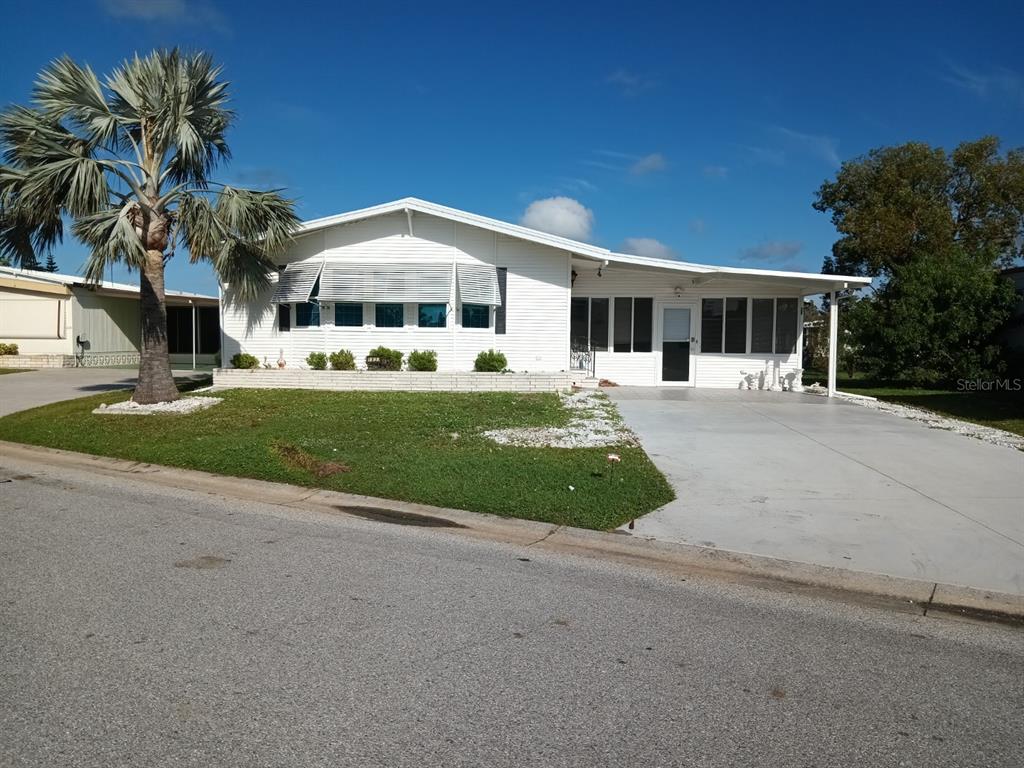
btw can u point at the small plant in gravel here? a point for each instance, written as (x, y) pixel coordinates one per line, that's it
(317, 361)
(490, 361)
(384, 359)
(245, 361)
(343, 360)
(423, 361)
(8, 349)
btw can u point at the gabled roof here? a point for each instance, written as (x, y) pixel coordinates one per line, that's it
(54, 278)
(575, 247)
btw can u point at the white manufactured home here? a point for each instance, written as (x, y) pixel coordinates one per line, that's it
(413, 275)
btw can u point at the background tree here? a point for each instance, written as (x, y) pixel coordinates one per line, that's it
(934, 228)
(51, 264)
(128, 162)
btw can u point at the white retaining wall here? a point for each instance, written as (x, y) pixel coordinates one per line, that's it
(396, 381)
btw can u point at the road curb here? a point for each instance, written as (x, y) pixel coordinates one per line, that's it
(648, 553)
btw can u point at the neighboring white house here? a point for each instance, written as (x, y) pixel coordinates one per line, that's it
(64, 321)
(416, 275)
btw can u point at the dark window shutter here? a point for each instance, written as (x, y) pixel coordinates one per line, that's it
(499, 312)
(284, 317)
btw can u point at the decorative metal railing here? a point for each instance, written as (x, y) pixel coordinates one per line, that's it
(582, 358)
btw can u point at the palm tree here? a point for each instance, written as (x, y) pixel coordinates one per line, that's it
(128, 163)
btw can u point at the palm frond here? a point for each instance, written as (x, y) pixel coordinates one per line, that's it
(111, 237)
(66, 90)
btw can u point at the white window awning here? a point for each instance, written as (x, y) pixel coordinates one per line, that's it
(295, 284)
(478, 284)
(391, 283)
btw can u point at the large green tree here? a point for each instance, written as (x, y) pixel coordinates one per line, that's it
(128, 162)
(934, 228)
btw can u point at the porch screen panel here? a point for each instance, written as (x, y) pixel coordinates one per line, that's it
(387, 283)
(735, 325)
(579, 322)
(761, 316)
(478, 284)
(711, 322)
(209, 330)
(295, 284)
(786, 318)
(499, 311)
(643, 324)
(599, 324)
(623, 331)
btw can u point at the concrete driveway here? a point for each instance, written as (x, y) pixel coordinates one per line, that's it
(29, 389)
(804, 478)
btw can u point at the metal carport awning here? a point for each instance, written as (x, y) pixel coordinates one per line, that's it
(295, 284)
(392, 283)
(478, 284)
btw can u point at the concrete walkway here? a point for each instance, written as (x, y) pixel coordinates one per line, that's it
(804, 478)
(29, 389)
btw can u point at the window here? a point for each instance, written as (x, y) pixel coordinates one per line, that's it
(762, 315)
(209, 330)
(599, 324)
(284, 317)
(711, 325)
(622, 336)
(179, 330)
(735, 326)
(579, 323)
(433, 315)
(786, 330)
(499, 312)
(307, 314)
(643, 323)
(476, 316)
(348, 314)
(390, 315)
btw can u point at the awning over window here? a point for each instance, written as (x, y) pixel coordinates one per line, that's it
(296, 282)
(478, 284)
(391, 283)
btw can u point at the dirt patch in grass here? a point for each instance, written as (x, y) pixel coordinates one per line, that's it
(298, 458)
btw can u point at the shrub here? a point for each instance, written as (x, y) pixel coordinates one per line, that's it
(8, 349)
(384, 359)
(317, 361)
(243, 360)
(490, 362)
(423, 361)
(342, 360)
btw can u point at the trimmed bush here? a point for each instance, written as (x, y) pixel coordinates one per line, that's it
(423, 361)
(245, 361)
(342, 360)
(490, 362)
(317, 361)
(8, 349)
(384, 359)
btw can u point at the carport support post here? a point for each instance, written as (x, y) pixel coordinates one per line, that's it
(833, 341)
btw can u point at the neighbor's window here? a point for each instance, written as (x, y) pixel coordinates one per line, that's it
(643, 324)
(622, 335)
(348, 314)
(284, 317)
(476, 316)
(787, 316)
(735, 326)
(433, 315)
(599, 324)
(579, 322)
(390, 315)
(632, 328)
(307, 314)
(762, 315)
(711, 325)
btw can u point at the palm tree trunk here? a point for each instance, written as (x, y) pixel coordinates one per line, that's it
(156, 384)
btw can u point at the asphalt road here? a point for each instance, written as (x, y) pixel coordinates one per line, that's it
(143, 626)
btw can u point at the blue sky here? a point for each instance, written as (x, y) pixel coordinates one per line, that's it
(699, 132)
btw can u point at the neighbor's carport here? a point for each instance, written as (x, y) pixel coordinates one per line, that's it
(821, 480)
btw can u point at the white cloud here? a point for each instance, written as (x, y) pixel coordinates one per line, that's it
(999, 83)
(560, 216)
(824, 147)
(647, 246)
(772, 250)
(648, 164)
(628, 82)
(196, 12)
(715, 172)
(765, 154)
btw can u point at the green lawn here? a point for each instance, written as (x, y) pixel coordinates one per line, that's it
(1002, 409)
(415, 447)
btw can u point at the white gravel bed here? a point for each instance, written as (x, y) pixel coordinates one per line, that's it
(935, 421)
(594, 424)
(182, 405)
